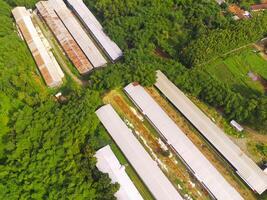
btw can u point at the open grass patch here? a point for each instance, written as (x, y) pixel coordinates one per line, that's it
(234, 70)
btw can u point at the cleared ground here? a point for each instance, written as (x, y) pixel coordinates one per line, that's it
(245, 71)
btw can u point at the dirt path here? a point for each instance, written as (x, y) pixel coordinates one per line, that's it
(256, 136)
(49, 36)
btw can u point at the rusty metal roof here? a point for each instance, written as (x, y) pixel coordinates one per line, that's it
(47, 64)
(65, 39)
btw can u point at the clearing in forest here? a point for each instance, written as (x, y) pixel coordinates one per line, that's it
(244, 71)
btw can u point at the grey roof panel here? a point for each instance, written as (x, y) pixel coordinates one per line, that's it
(204, 171)
(88, 19)
(246, 168)
(148, 170)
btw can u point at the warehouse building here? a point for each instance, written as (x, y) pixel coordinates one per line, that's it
(244, 166)
(90, 15)
(195, 161)
(46, 62)
(147, 169)
(108, 163)
(69, 45)
(87, 18)
(78, 33)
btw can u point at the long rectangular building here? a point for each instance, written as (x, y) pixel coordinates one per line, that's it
(196, 162)
(78, 33)
(147, 169)
(108, 163)
(46, 62)
(244, 166)
(87, 18)
(69, 45)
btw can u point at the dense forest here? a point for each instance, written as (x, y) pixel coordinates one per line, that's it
(46, 148)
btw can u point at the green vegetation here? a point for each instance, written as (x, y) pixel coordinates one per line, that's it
(258, 150)
(220, 41)
(46, 149)
(131, 173)
(234, 71)
(262, 148)
(27, 3)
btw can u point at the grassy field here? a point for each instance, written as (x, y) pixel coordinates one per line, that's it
(233, 70)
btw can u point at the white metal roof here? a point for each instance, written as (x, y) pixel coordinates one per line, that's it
(204, 171)
(78, 33)
(245, 167)
(108, 163)
(236, 125)
(90, 15)
(43, 57)
(88, 19)
(148, 170)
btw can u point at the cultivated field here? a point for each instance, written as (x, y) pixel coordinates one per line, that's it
(245, 71)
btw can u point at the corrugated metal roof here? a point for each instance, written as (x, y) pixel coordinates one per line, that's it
(78, 33)
(69, 45)
(245, 167)
(110, 48)
(108, 163)
(44, 59)
(203, 170)
(91, 16)
(148, 170)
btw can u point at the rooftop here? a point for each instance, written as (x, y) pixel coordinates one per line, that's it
(62, 35)
(46, 62)
(147, 169)
(94, 27)
(196, 162)
(78, 33)
(245, 167)
(108, 163)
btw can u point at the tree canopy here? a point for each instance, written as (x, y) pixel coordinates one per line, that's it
(47, 148)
